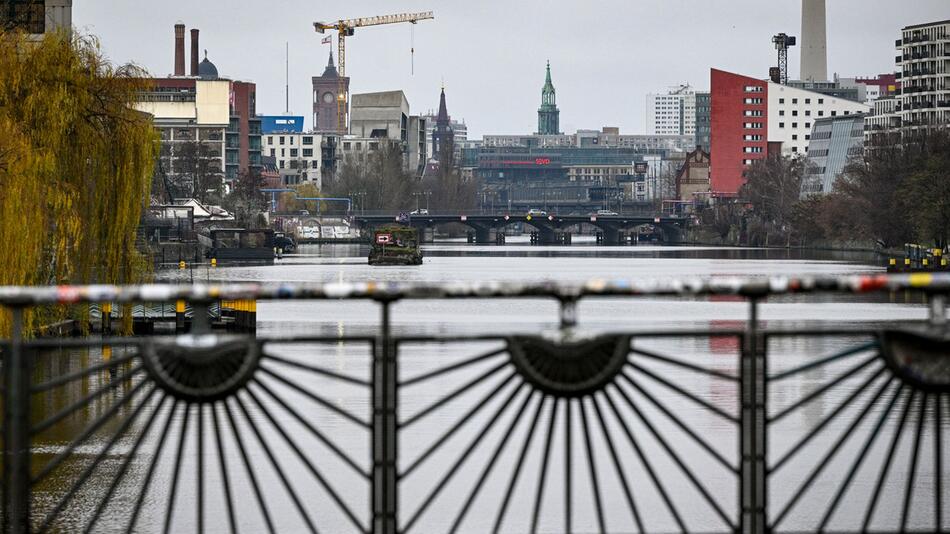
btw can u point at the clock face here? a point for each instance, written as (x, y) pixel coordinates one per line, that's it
(328, 97)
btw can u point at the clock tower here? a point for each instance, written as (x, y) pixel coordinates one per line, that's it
(325, 88)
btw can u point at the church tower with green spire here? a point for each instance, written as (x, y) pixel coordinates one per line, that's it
(548, 114)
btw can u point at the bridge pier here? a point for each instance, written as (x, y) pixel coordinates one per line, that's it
(484, 235)
(611, 237)
(545, 236)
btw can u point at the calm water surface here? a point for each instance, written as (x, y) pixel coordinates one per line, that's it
(447, 262)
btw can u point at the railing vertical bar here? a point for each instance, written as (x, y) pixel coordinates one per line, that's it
(567, 466)
(16, 408)
(938, 464)
(753, 483)
(384, 485)
(200, 501)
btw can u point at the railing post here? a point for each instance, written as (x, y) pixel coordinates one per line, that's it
(753, 480)
(16, 439)
(384, 434)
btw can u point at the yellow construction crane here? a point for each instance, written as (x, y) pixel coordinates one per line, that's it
(345, 28)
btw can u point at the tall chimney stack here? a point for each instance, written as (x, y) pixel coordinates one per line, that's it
(179, 49)
(814, 43)
(194, 51)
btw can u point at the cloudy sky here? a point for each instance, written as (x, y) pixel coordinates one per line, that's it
(606, 55)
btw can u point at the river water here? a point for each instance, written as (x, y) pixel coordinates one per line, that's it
(638, 437)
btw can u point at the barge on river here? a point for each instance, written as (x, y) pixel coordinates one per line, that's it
(395, 245)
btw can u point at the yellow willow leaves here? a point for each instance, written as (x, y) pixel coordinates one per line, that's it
(75, 165)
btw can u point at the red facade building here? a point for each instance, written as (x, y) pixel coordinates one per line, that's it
(886, 83)
(739, 126)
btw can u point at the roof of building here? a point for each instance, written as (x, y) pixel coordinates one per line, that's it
(379, 99)
(926, 24)
(443, 116)
(548, 86)
(206, 69)
(330, 71)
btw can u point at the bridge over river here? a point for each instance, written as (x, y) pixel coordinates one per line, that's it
(549, 228)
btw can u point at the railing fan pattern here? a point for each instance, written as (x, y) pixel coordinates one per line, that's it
(501, 432)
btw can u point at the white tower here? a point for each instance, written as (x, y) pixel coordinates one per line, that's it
(814, 41)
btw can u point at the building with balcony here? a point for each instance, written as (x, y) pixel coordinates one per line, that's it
(203, 115)
(923, 70)
(192, 117)
(882, 126)
(834, 142)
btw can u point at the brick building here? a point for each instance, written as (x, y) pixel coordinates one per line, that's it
(739, 126)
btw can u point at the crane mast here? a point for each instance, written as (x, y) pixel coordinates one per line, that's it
(345, 28)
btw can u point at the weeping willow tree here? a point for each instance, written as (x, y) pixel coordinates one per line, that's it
(75, 164)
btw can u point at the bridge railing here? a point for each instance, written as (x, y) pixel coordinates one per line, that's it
(742, 426)
(477, 212)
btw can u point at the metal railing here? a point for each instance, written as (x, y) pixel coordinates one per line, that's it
(517, 432)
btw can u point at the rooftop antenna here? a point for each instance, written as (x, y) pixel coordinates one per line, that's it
(287, 77)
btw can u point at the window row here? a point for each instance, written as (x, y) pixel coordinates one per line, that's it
(794, 125)
(307, 152)
(305, 140)
(795, 101)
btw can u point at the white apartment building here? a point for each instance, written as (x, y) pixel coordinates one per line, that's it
(673, 113)
(299, 156)
(883, 124)
(792, 111)
(924, 75)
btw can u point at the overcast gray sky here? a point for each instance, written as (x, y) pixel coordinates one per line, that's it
(606, 55)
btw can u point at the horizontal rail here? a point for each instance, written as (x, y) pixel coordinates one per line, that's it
(391, 291)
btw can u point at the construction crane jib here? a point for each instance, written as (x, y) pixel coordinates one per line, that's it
(345, 28)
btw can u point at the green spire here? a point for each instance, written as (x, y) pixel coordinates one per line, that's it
(548, 114)
(548, 88)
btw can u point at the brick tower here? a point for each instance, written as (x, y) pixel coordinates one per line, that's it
(325, 89)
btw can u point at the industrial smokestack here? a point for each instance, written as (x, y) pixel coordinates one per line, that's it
(194, 51)
(179, 49)
(814, 41)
